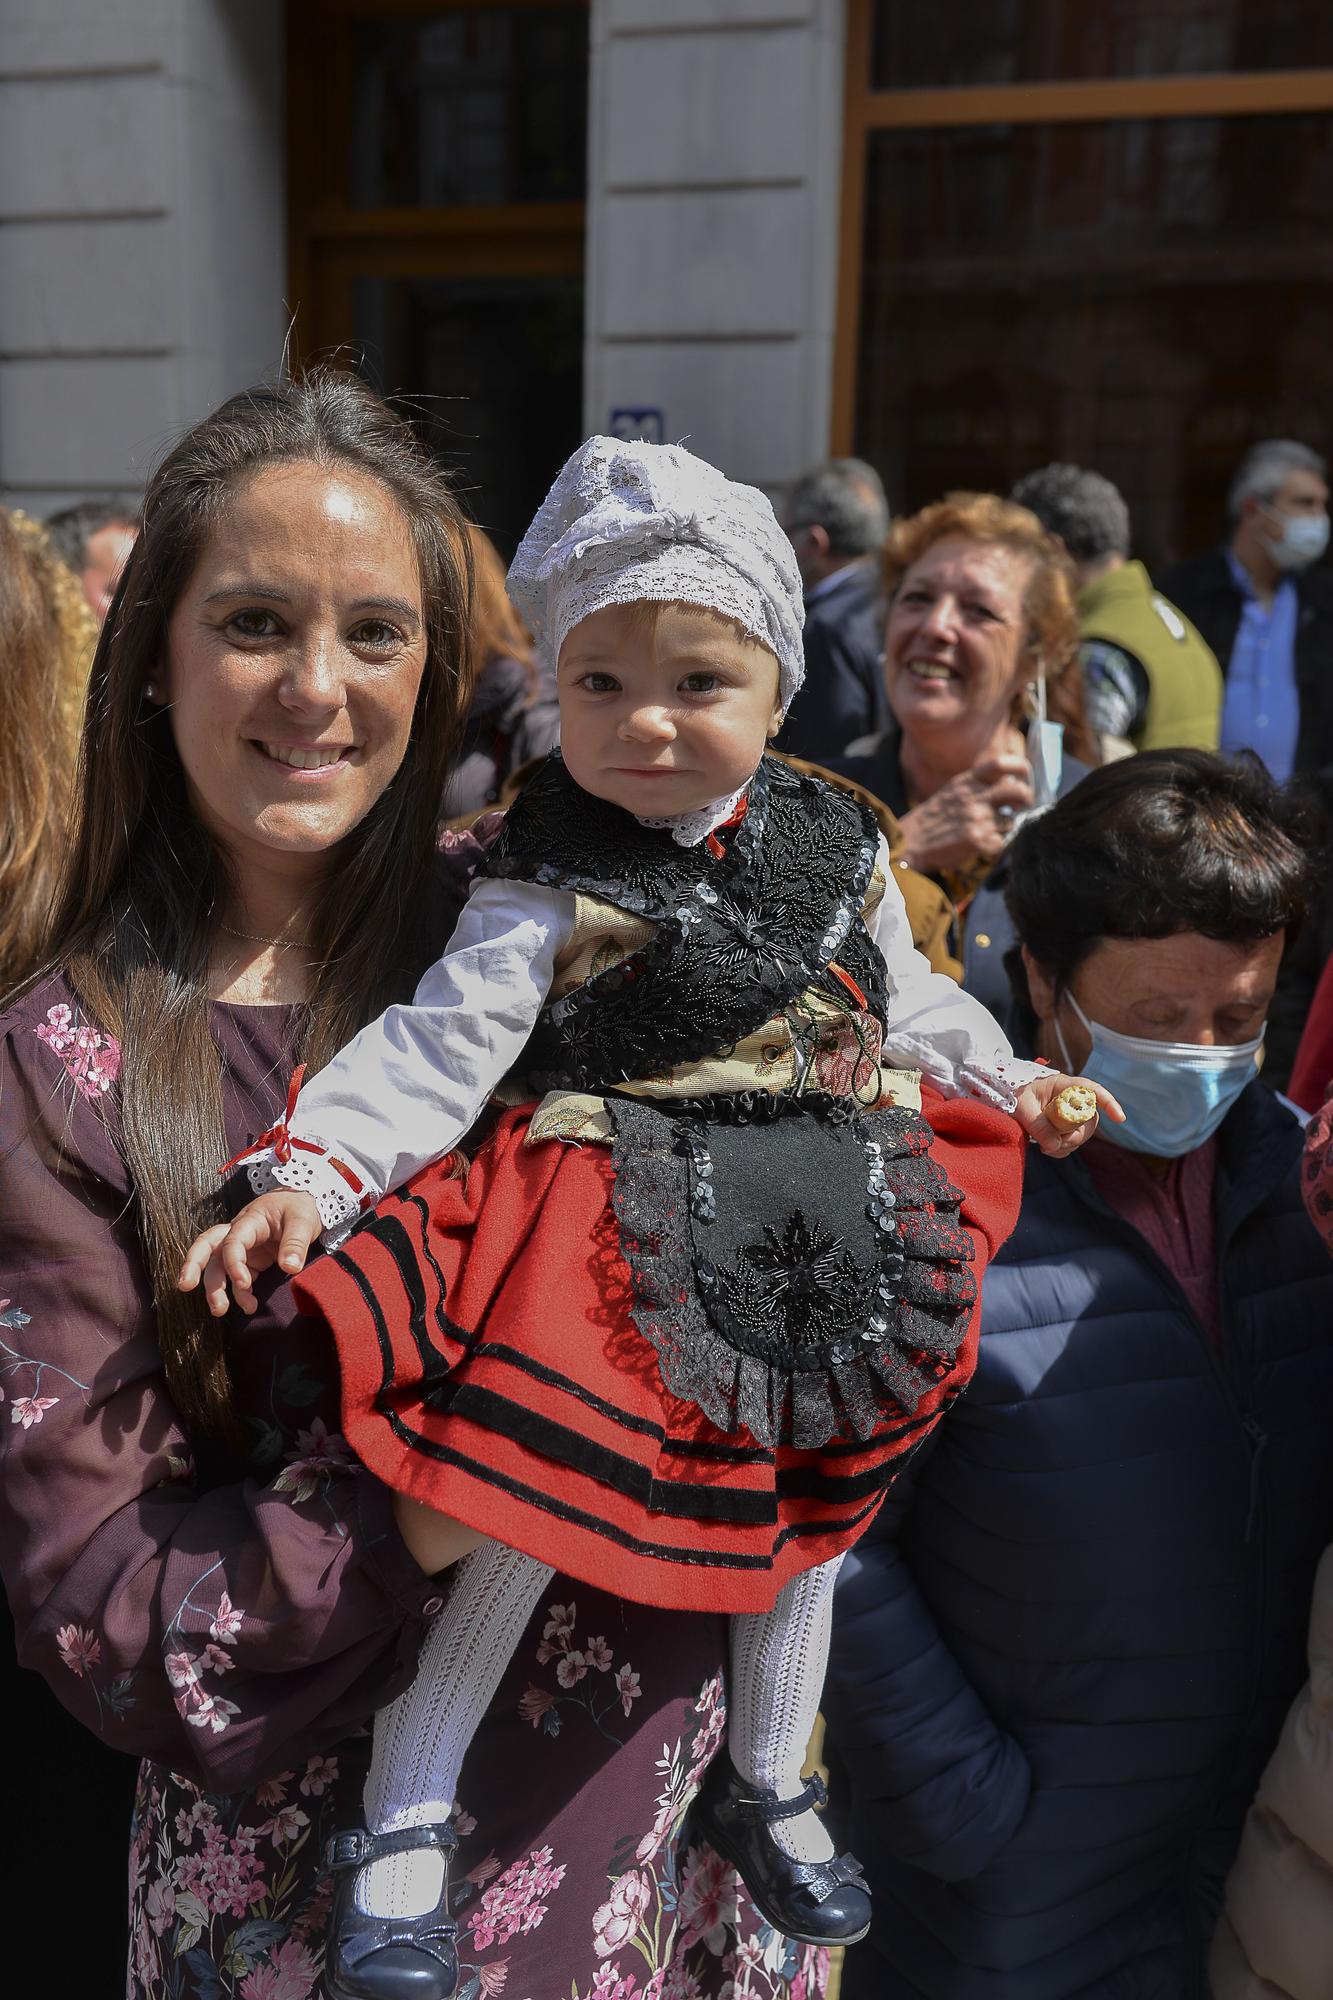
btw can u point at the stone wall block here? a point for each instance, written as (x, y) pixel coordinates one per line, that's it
(704, 264)
(690, 109)
(87, 146)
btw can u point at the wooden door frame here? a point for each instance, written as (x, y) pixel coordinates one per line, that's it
(1069, 102)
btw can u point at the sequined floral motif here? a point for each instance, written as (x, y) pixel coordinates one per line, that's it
(738, 1239)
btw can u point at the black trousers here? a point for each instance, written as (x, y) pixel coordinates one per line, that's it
(66, 1840)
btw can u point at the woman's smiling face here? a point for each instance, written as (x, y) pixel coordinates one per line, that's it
(955, 651)
(294, 656)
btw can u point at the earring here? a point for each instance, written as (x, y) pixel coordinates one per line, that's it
(150, 691)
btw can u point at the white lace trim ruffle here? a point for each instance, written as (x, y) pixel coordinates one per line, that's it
(688, 829)
(993, 1080)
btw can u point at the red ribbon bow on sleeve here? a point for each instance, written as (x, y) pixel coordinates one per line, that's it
(277, 1136)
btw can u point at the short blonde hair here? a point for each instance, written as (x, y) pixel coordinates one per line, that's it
(1049, 606)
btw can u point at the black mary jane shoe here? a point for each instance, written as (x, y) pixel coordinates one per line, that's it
(389, 1958)
(815, 1902)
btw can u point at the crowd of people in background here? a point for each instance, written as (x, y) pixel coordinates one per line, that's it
(1066, 1718)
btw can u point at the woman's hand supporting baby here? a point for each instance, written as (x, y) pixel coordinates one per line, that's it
(275, 1228)
(1061, 1128)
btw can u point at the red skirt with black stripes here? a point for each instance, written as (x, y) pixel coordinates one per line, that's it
(492, 1369)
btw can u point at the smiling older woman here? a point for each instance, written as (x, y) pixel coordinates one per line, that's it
(981, 613)
(197, 1564)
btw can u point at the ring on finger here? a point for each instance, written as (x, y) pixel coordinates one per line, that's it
(1004, 816)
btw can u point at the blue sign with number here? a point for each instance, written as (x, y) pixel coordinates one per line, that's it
(646, 424)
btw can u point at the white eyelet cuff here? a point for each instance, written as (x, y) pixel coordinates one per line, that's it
(993, 1079)
(313, 1174)
(999, 1080)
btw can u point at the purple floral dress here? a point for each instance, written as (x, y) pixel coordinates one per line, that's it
(235, 1620)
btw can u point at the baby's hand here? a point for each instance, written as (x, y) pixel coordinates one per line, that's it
(1059, 1113)
(276, 1227)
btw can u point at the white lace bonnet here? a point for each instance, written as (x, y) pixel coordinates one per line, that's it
(625, 522)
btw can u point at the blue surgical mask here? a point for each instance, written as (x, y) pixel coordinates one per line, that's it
(1174, 1094)
(1303, 540)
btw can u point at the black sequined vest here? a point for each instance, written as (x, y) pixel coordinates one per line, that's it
(738, 934)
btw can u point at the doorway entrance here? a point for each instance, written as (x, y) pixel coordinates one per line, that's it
(437, 174)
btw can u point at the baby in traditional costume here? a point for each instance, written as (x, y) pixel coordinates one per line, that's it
(642, 1260)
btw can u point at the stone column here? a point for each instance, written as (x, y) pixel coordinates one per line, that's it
(142, 230)
(714, 161)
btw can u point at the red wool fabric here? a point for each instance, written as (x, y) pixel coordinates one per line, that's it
(491, 1368)
(1312, 1071)
(1317, 1171)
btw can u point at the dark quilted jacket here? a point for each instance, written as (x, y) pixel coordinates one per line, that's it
(1063, 1655)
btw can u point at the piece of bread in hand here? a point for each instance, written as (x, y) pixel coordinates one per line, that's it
(1076, 1105)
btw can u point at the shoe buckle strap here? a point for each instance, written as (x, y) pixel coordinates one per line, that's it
(346, 1849)
(768, 1807)
(354, 1846)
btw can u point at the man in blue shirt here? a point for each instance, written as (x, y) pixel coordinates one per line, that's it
(1266, 610)
(1264, 603)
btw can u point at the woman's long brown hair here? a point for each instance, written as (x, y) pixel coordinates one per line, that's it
(146, 883)
(46, 641)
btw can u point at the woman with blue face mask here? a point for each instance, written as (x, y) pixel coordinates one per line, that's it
(1063, 1651)
(1189, 1029)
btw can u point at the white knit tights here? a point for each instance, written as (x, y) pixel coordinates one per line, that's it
(777, 1677)
(422, 1738)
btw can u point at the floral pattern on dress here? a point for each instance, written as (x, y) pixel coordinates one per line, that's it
(319, 1454)
(91, 1057)
(224, 1905)
(30, 1408)
(681, 1908)
(79, 1647)
(574, 1665)
(229, 1903)
(198, 1704)
(80, 1650)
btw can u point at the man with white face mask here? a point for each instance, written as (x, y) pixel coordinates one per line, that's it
(1266, 609)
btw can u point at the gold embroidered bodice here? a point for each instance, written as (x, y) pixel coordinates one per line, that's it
(817, 1043)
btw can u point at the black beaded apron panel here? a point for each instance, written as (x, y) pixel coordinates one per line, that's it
(797, 1264)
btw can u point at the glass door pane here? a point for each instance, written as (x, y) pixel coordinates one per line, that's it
(1057, 291)
(939, 44)
(493, 368)
(477, 105)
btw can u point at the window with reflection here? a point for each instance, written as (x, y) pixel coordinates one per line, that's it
(937, 44)
(477, 105)
(1145, 296)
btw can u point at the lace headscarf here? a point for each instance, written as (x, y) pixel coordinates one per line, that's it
(626, 523)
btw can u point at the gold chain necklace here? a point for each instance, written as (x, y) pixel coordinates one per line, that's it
(278, 944)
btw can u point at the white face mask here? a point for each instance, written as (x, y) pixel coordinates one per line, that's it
(1303, 540)
(1045, 748)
